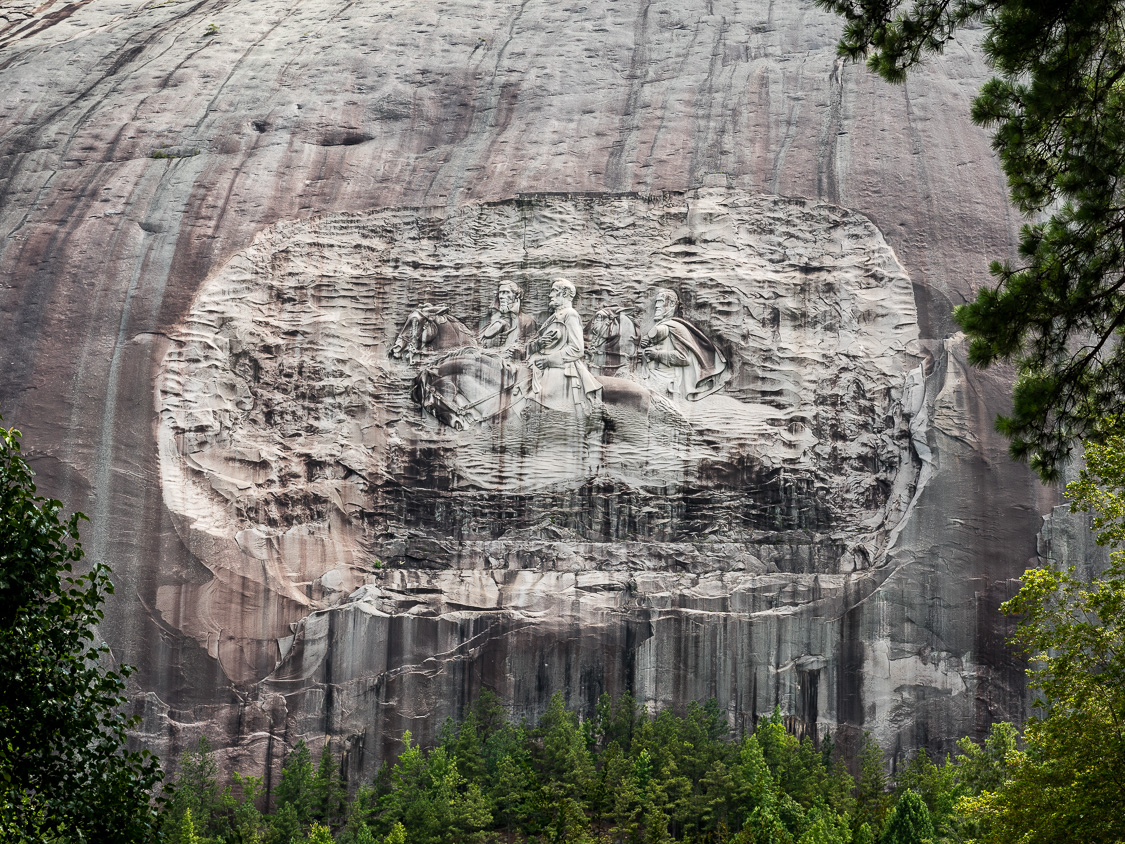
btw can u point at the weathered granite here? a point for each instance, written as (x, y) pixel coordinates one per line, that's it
(146, 164)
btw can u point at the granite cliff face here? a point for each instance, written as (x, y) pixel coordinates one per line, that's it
(213, 241)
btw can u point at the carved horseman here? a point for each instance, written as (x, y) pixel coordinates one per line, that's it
(680, 360)
(508, 328)
(560, 379)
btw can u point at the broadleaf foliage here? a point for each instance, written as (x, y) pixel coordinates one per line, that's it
(65, 770)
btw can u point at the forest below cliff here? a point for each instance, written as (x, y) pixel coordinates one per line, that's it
(624, 775)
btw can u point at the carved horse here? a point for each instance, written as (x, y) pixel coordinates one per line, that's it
(430, 328)
(473, 385)
(470, 385)
(613, 343)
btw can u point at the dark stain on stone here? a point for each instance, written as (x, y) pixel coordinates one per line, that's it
(33, 26)
(339, 138)
(808, 691)
(124, 58)
(737, 497)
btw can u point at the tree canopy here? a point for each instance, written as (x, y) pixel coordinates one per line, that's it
(622, 775)
(1068, 784)
(65, 771)
(1057, 110)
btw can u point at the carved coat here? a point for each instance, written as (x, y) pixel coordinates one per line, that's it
(508, 331)
(565, 383)
(685, 362)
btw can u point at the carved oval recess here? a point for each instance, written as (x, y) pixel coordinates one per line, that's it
(299, 465)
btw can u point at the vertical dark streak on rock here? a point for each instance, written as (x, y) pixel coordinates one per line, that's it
(849, 671)
(789, 132)
(268, 772)
(753, 709)
(808, 683)
(779, 641)
(1001, 689)
(621, 153)
(37, 299)
(656, 135)
(109, 442)
(826, 187)
(934, 320)
(329, 687)
(707, 153)
(480, 125)
(629, 669)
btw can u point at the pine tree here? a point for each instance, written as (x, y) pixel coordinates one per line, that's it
(183, 831)
(328, 790)
(937, 785)
(755, 796)
(296, 788)
(872, 800)
(563, 760)
(909, 823)
(238, 807)
(286, 825)
(1057, 110)
(195, 789)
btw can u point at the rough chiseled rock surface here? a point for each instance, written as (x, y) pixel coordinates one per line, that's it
(211, 238)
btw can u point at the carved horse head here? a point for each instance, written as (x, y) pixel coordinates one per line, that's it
(430, 328)
(469, 386)
(427, 393)
(612, 345)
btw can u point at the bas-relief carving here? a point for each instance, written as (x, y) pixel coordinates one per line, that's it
(673, 361)
(681, 360)
(316, 421)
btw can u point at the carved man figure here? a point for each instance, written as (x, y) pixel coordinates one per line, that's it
(561, 380)
(508, 329)
(679, 358)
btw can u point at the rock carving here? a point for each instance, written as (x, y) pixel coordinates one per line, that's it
(474, 383)
(430, 329)
(470, 386)
(508, 328)
(560, 379)
(679, 358)
(613, 342)
(327, 441)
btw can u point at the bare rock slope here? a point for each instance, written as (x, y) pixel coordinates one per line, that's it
(218, 216)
